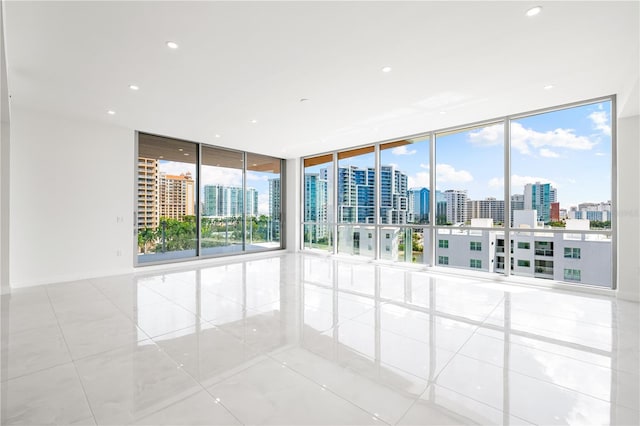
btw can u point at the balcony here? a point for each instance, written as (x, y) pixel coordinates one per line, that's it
(544, 271)
(543, 252)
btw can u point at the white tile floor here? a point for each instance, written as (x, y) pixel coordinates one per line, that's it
(302, 339)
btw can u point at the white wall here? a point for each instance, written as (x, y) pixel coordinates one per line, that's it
(629, 208)
(70, 182)
(5, 132)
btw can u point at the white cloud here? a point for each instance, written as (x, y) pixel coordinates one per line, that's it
(600, 121)
(402, 150)
(496, 182)
(394, 165)
(518, 182)
(558, 138)
(600, 154)
(263, 203)
(547, 153)
(257, 176)
(424, 166)
(488, 136)
(420, 180)
(210, 175)
(221, 176)
(448, 173)
(523, 139)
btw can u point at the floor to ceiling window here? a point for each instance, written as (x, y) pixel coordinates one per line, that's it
(356, 191)
(195, 200)
(527, 195)
(317, 209)
(561, 187)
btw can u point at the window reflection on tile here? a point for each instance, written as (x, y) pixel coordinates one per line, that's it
(402, 346)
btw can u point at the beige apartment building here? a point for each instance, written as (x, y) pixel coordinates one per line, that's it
(148, 201)
(177, 197)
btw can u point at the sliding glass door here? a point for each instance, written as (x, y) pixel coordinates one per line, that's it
(195, 200)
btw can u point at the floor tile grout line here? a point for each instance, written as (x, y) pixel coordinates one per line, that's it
(200, 384)
(435, 379)
(324, 388)
(543, 381)
(558, 354)
(75, 366)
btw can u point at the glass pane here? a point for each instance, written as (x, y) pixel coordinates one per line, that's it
(357, 240)
(166, 199)
(561, 179)
(356, 186)
(401, 244)
(318, 236)
(404, 182)
(263, 206)
(318, 202)
(470, 177)
(221, 195)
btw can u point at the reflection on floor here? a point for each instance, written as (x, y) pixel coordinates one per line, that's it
(302, 339)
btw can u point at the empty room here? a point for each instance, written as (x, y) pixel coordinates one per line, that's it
(320, 212)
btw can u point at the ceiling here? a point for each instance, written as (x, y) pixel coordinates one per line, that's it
(452, 63)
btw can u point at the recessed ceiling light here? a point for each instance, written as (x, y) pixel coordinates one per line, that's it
(254, 121)
(386, 69)
(254, 164)
(186, 153)
(217, 136)
(180, 149)
(172, 45)
(111, 112)
(548, 87)
(162, 156)
(134, 87)
(443, 112)
(534, 11)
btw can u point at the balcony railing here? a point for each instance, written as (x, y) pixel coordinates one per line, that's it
(544, 270)
(541, 252)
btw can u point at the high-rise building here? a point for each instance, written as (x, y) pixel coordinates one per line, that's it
(356, 195)
(316, 202)
(539, 196)
(148, 207)
(176, 196)
(441, 208)
(315, 198)
(394, 202)
(418, 205)
(274, 206)
(227, 201)
(489, 208)
(456, 205)
(555, 212)
(517, 203)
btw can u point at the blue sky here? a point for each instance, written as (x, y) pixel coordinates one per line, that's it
(571, 149)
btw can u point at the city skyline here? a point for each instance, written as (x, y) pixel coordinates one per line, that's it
(213, 175)
(566, 148)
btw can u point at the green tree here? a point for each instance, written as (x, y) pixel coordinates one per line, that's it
(146, 238)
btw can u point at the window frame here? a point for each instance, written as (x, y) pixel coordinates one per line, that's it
(431, 230)
(198, 210)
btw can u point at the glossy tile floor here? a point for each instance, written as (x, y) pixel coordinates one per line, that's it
(301, 339)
